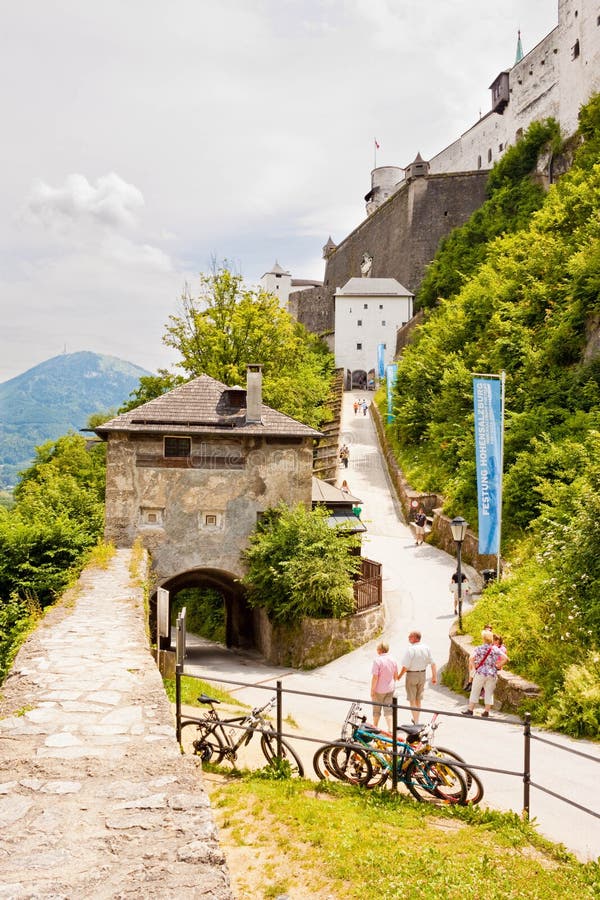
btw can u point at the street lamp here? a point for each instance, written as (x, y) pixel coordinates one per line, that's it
(458, 527)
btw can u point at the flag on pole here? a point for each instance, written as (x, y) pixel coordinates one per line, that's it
(488, 457)
(376, 144)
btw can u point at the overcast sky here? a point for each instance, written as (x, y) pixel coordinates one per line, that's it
(143, 138)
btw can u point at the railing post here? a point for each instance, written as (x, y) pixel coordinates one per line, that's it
(279, 718)
(526, 764)
(394, 743)
(178, 703)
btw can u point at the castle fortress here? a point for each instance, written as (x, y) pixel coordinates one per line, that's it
(411, 210)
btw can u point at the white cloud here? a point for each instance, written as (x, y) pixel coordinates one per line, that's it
(111, 203)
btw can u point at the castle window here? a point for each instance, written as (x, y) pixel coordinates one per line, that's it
(366, 306)
(383, 321)
(479, 161)
(490, 154)
(176, 447)
(381, 306)
(500, 147)
(575, 50)
(151, 515)
(359, 322)
(359, 346)
(211, 519)
(598, 21)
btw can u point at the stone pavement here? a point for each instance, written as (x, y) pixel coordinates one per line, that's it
(96, 800)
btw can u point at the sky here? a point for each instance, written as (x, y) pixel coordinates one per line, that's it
(144, 140)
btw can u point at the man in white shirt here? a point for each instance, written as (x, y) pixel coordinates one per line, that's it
(414, 663)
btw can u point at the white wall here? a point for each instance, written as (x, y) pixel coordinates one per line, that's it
(350, 310)
(546, 82)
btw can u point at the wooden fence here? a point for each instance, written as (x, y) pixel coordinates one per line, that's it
(368, 586)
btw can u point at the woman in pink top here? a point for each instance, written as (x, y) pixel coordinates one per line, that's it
(384, 673)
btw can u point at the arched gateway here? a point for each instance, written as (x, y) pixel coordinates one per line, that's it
(191, 472)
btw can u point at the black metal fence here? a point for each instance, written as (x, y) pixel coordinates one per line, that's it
(524, 773)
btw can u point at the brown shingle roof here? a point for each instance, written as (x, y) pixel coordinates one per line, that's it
(204, 406)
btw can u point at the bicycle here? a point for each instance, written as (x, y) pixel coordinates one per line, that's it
(220, 739)
(365, 756)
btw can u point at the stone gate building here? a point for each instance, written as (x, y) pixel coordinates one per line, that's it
(190, 473)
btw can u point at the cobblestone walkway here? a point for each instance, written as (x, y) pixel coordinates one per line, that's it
(96, 800)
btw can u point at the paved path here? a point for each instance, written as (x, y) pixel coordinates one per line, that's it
(417, 596)
(96, 800)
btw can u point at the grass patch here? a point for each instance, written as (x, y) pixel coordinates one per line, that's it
(191, 688)
(349, 843)
(102, 555)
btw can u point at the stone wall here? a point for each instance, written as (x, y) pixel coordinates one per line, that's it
(315, 642)
(402, 236)
(167, 507)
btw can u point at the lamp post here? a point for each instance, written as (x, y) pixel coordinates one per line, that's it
(458, 527)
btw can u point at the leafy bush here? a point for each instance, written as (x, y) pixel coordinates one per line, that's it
(575, 709)
(17, 615)
(298, 566)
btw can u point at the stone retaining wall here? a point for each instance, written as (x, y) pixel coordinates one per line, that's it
(315, 642)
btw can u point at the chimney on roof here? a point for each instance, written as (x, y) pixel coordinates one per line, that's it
(253, 393)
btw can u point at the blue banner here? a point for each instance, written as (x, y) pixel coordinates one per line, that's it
(488, 457)
(380, 361)
(391, 373)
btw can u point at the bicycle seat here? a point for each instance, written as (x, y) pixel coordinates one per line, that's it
(412, 731)
(204, 698)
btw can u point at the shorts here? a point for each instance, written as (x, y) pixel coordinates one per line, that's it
(415, 685)
(379, 700)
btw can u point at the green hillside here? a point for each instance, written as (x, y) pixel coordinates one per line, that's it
(532, 309)
(55, 397)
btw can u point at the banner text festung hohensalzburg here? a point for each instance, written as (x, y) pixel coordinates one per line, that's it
(488, 456)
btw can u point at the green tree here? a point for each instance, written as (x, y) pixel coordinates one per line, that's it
(298, 566)
(512, 197)
(229, 326)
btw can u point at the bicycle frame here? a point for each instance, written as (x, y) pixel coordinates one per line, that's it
(247, 725)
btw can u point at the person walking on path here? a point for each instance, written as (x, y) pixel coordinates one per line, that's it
(414, 663)
(355, 405)
(484, 662)
(365, 406)
(420, 522)
(345, 455)
(464, 588)
(384, 674)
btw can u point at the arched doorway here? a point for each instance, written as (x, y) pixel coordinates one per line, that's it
(204, 587)
(359, 379)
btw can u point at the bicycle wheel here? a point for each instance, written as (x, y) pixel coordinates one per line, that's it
(268, 743)
(322, 763)
(205, 743)
(475, 789)
(351, 764)
(435, 782)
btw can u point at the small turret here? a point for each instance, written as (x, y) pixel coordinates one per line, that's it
(418, 168)
(329, 248)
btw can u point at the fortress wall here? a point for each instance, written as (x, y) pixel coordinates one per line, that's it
(404, 233)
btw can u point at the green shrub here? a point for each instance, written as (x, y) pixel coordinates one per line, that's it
(575, 709)
(298, 566)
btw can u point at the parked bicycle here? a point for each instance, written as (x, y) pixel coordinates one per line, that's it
(220, 739)
(365, 756)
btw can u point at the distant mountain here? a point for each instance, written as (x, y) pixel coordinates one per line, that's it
(55, 397)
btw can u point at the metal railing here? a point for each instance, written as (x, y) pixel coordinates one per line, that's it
(524, 774)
